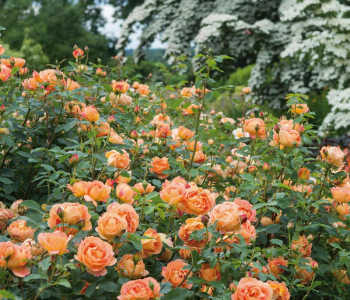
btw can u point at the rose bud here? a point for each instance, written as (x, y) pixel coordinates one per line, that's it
(134, 134)
(212, 112)
(24, 94)
(290, 226)
(86, 49)
(246, 90)
(314, 265)
(232, 287)
(60, 213)
(310, 238)
(276, 128)
(90, 113)
(210, 142)
(252, 169)
(99, 72)
(78, 53)
(23, 71)
(74, 159)
(266, 167)
(244, 218)
(261, 114)
(172, 96)
(136, 258)
(304, 173)
(205, 220)
(136, 109)
(111, 120)
(301, 129)
(2, 109)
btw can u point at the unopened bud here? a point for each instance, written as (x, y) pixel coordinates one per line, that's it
(244, 218)
(314, 265)
(232, 287)
(86, 49)
(252, 114)
(266, 167)
(257, 128)
(210, 142)
(74, 159)
(134, 134)
(23, 71)
(136, 258)
(212, 112)
(335, 225)
(301, 129)
(205, 220)
(81, 223)
(60, 213)
(2, 109)
(111, 120)
(290, 225)
(144, 184)
(151, 285)
(252, 169)
(136, 109)
(276, 128)
(261, 114)
(75, 47)
(310, 238)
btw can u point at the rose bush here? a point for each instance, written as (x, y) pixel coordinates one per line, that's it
(114, 189)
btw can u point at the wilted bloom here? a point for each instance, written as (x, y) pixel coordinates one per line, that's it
(239, 133)
(5, 215)
(302, 246)
(131, 267)
(306, 274)
(19, 231)
(274, 265)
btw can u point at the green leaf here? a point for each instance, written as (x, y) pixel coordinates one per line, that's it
(31, 204)
(110, 287)
(165, 287)
(108, 88)
(5, 180)
(276, 242)
(247, 176)
(64, 282)
(7, 295)
(177, 293)
(135, 240)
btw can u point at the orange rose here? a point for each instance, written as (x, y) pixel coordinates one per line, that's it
(190, 146)
(300, 108)
(302, 246)
(125, 193)
(304, 173)
(102, 129)
(123, 178)
(227, 215)
(97, 191)
(341, 194)
(139, 187)
(255, 127)
(126, 267)
(274, 265)
(110, 225)
(55, 242)
(236, 167)
(252, 289)
(5, 74)
(173, 193)
(90, 113)
(174, 273)
(5, 215)
(199, 157)
(14, 257)
(289, 137)
(96, 255)
(280, 290)
(342, 276)
(115, 138)
(184, 133)
(69, 84)
(248, 232)
(306, 274)
(197, 201)
(198, 92)
(289, 124)
(151, 246)
(143, 90)
(254, 271)
(78, 53)
(2, 50)
(245, 208)
(210, 274)
(120, 86)
(193, 224)
(78, 188)
(186, 92)
(13, 61)
(121, 99)
(186, 254)
(69, 214)
(118, 160)
(19, 231)
(190, 109)
(333, 155)
(127, 212)
(140, 289)
(75, 109)
(35, 248)
(166, 255)
(158, 166)
(163, 131)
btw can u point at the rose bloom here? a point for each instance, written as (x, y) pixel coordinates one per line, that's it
(149, 189)
(125, 193)
(158, 166)
(304, 173)
(236, 167)
(78, 53)
(143, 90)
(227, 215)
(118, 160)
(186, 253)
(160, 119)
(289, 124)
(190, 109)
(5, 215)
(199, 157)
(16, 258)
(127, 212)
(254, 271)
(173, 193)
(120, 86)
(255, 127)
(280, 290)
(17, 209)
(197, 201)
(123, 99)
(110, 225)
(341, 194)
(54, 242)
(19, 231)
(274, 265)
(126, 267)
(289, 137)
(74, 108)
(151, 246)
(18, 62)
(163, 131)
(5, 74)
(103, 129)
(190, 146)
(184, 133)
(2, 50)
(90, 113)
(252, 289)
(140, 289)
(69, 84)
(248, 232)
(305, 274)
(302, 246)
(245, 208)
(96, 255)
(174, 273)
(120, 178)
(166, 255)
(115, 138)
(71, 214)
(210, 274)
(342, 276)
(97, 191)
(300, 108)
(78, 188)
(333, 155)
(239, 133)
(186, 92)
(186, 230)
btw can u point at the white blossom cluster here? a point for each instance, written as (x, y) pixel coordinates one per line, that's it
(296, 45)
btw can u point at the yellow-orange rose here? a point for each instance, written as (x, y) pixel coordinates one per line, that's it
(140, 289)
(255, 127)
(280, 290)
(174, 273)
(78, 188)
(126, 267)
(125, 193)
(197, 201)
(289, 137)
(151, 246)
(333, 155)
(120, 86)
(158, 166)
(55, 242)
(300, 108)
(110, 225)
(274, 265)
(227, 215)
(127, 212)
(186, 230)
(252, 289)
(97, 191)
(341, 194)
(90, 113)
(118, 160)
(173, 193)
(210, 274)
(184, 133)
(19, 231)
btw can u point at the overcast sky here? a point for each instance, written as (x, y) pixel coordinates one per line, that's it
(113, 29)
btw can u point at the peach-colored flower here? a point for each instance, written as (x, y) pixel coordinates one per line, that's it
(333, 155)
(35, 248)
(306, 274)
(54, 242)
(300, 108)
(14, 257)
(78, 188)
(69, 214)
(175, 273)
(90, 113)
(289, 137)
(5, 215)
(140, 289)
(248, 232)
(341, 194)
(5, 74)
(199, 157)
(210, 274)
(78, 53)
(252, 289)
(158, 120)
(190, 109)
(103, 129)
(115, 138)
(122, 99)
(342, 276)
(163, 131)
(199, 92)
(173, 193)
(186, 230)
(197, 201)
(13, 61)
(186, 92)
(123, 177)
(127, 212)
(158, 166)
(245, 208)
(125, 193)
(280, 290)
(190, 146)
(302, 246)
(96, 255)
(246, 90)
(118, 160)
(227, 217)
(19, 231)
(274, 265)
(110, 225)
(304, 173)
(255, 127)
(151, 246)
(143, 90)
(166, 255)
(2, 50)
(185, 133)
(236, 167)
(97, 191)
(69, 84)
(149, 189)
(120, 86)
(126, 267)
